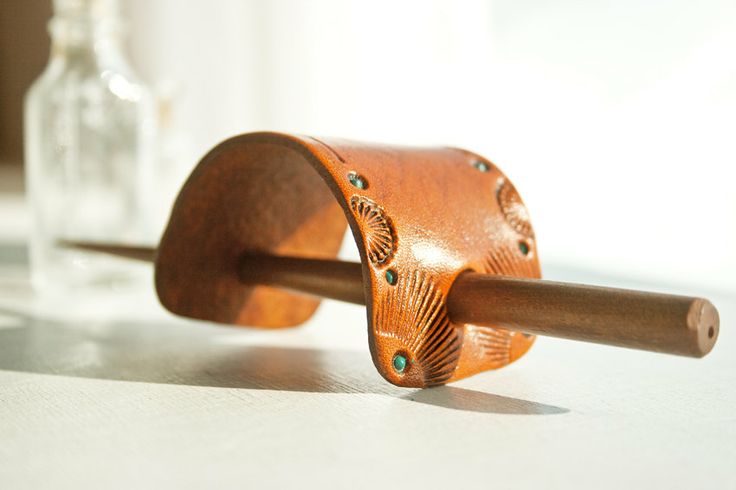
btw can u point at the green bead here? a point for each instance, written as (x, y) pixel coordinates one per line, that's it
(399, 363)
(391, 277)
(482, 166)
(357, 180)
(524, 248)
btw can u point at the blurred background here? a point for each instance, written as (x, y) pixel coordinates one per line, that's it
(616, 119)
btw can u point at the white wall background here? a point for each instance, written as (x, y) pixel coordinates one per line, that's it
(616, 119)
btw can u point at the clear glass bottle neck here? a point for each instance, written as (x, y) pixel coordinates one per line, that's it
(85, 29)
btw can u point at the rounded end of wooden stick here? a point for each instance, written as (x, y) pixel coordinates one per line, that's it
(704, 322)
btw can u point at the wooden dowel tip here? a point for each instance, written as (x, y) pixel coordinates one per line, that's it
(145, 254)
(704, 320)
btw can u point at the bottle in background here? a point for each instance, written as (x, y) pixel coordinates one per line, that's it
(89, 148)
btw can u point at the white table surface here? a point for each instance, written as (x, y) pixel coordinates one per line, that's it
(112, 392)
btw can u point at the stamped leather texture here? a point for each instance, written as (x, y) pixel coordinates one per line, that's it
(419, 216)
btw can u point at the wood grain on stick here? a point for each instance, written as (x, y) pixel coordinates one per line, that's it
(680, 325)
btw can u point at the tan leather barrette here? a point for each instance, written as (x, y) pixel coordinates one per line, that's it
(449, 270)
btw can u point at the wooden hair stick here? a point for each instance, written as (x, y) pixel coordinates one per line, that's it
(665, 323)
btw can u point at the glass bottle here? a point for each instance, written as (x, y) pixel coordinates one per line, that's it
(89, 146)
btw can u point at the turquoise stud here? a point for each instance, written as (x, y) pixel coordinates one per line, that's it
(391, 277)
(524, 248)
(482, 166)
(357, 180)
(399, 363)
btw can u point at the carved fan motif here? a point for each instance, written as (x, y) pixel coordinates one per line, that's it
(513, 209)
(379, 235)
(505, 261)
(495, 344)
(415, 314)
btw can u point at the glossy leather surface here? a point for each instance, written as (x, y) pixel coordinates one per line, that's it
(420, 217)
